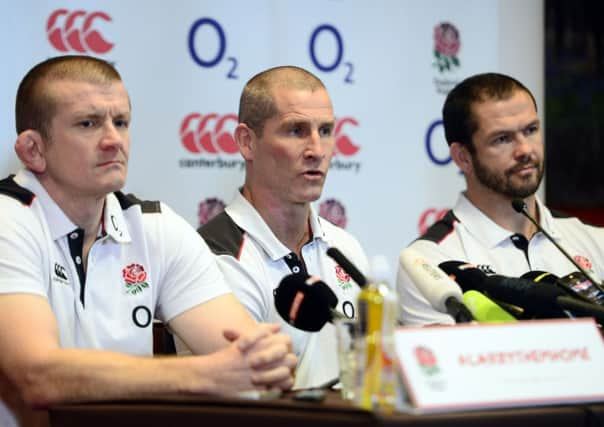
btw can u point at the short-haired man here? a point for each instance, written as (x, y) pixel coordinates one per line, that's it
(270, 230)
(84, 269)
(495, 138)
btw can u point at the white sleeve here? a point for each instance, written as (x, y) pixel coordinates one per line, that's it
(23, 261)
(190, 273)
(249, 288)
(414, 308)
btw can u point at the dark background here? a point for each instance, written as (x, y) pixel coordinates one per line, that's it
(574, 108)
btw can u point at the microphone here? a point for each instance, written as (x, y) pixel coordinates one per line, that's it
(544, 300)
(439, 289)
(484, 309)
(520, 207)
(535, 300)
(348, 266)
(306, 303)
(576, 284)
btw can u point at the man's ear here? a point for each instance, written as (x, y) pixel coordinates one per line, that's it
(246, 140)
(461, 156)
(30, 149)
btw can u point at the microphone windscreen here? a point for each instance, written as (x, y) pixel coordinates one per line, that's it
(301, 304)
(540, 277)
(579, 285)
(467, 276)
(537, 299)
(432, 282)
(485, 309)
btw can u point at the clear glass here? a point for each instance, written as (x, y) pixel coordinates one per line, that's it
(347, 334)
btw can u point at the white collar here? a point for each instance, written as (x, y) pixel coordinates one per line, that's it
(489, 233)
(248, 218)
(58, 222)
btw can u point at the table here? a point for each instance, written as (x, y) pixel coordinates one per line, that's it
(286, 412)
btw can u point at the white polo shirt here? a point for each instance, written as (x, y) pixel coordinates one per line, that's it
(254, 262)
(147, 262)
(467, 234)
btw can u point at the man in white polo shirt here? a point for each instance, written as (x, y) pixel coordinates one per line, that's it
(84, 269)
(495, 138)
(270, 230)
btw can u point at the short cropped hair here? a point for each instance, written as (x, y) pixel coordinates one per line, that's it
(36, 105)
(458, 119)
(257, 104)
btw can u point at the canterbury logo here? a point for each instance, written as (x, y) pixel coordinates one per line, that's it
(60, 272)
(208, 133)
(73, 31)
(344, 144)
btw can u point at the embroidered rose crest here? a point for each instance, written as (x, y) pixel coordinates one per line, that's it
(583, 262)
(135, 275)
(446, 46)
(343, 278)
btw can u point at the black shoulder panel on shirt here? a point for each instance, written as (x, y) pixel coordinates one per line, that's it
(440, 229)
(222, 235)
(9, 187)
(559, 214)
(128, 200)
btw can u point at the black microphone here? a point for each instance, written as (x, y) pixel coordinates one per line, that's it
(543, 300)
(536, 300)
(520, 207)
(306, 303)
(348, 266)
(576, 284)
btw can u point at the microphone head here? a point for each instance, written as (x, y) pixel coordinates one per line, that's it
(433, 283)
(518, 205)
(579, 285)
(537, 299)
(304, 302)
(485, 309)
(540, 277)
(467, 275)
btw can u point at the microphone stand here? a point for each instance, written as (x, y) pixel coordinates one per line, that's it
(520, 207)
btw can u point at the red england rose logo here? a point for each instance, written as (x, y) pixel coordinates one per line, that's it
(446, 46)
(343, 278)
(341, 274)
(135, 276)
(583, 262)
(426, 360)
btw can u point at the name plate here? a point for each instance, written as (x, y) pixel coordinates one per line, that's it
(526, 363)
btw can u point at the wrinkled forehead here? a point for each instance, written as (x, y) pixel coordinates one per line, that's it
(290, 101)
(70, 91)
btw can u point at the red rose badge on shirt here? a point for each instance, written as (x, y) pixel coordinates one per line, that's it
(135, 275)
(583, 262)
(343, 278)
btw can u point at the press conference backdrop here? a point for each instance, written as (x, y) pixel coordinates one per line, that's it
(388, 65)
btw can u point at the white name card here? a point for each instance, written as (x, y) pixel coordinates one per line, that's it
(527, 363)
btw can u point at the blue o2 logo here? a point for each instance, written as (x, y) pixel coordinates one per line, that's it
(208, 53)
(329, 61)
(442, 157)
